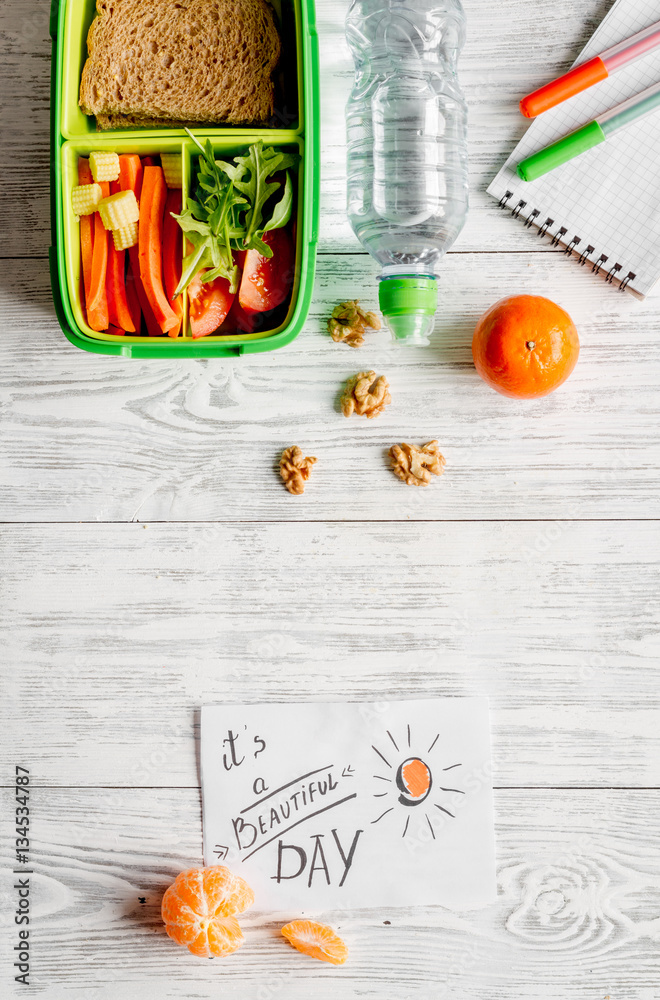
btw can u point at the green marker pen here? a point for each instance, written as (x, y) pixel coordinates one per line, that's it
(590, 135)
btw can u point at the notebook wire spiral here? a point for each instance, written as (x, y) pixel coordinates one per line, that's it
(612, 275)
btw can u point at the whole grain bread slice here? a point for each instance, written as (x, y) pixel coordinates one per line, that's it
(203, 61)
(115, 123)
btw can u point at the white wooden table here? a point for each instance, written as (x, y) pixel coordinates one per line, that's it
(152, 562)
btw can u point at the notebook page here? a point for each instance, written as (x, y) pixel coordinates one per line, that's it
(607, 199)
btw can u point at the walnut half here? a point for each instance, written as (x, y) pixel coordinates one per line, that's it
(348, 323)
(366, 394)
(415, 466)
(295, 469)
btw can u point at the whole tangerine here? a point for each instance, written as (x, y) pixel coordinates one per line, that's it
(200, 908)
(525, 346)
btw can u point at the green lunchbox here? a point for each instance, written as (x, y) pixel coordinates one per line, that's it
(74, 134)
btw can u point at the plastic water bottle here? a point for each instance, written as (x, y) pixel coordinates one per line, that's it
(407, 149)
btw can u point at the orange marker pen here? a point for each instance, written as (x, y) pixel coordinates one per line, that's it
(586, 75)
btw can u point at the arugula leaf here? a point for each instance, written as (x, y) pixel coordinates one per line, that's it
(250, 176)
(258, 244)
(228, 211)
(189, 224)
(192, 264)
(282, 211)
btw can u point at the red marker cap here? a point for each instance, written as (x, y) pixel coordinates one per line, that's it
(574, 82)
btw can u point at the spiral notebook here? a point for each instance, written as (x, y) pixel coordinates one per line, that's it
(604, 206)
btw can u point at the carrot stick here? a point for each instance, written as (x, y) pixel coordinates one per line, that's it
(84, 172)
(173, 255)
(152, 205)
(97, 303)
(86, 251)
(115, 286)
(86, 232)
(130, 173)
(134, 270)
(130, 179)
(153, 328)
(119, 310)
(133, 299)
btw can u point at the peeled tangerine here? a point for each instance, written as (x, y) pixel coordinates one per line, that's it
(200, 909)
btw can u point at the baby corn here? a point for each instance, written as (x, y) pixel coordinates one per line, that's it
(85, 198)
(119, 210)
(125, 238)
(171, 163)
(104, 166)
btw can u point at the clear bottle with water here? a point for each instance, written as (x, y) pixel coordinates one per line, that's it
(407, 149)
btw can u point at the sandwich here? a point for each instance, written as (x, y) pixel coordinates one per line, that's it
(174, 62)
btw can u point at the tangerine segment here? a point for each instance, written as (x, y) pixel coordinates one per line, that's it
(226, 893)
(316, 940)
(215, 938)
(525, 346)
(199, 910)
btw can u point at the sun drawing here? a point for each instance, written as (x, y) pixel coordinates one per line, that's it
(411, 781)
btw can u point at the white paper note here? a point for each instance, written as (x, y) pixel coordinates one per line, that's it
(325, 806)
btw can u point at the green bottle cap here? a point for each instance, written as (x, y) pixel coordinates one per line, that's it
(409, 305)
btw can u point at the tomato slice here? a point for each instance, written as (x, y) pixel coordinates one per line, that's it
(267, 281)
(238, 321)
(208, 305)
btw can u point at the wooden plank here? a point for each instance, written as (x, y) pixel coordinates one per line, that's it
(93, 438)
(496, 69)
(576, 916)
(117, 634)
